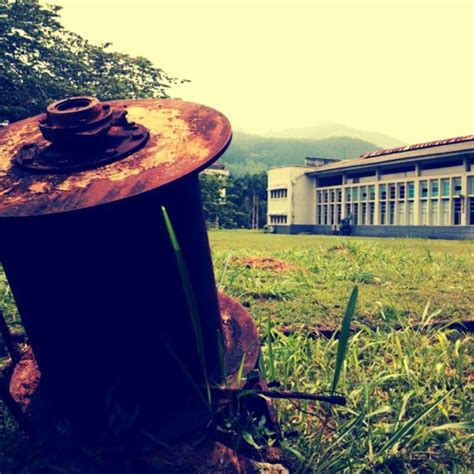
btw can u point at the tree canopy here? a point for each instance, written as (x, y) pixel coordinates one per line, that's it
(244, 204)
(42, 62)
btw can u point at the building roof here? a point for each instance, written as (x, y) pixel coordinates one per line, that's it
(217, 166)
(420, 150)
(291, 166)
(322, 158)
(418, 146)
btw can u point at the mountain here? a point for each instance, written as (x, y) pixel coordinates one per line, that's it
(254, 153)
(331, 130)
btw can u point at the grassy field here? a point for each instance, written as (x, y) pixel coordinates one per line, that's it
(397, 277)
(409, 391)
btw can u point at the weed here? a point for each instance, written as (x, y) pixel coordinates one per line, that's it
(409, 391)
(409, 402)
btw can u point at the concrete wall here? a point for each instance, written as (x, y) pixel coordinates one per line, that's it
(299, 204)
(440, 172)
(425, 232)
(304, 200)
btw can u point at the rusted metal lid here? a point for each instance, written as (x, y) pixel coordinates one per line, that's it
(184, 138)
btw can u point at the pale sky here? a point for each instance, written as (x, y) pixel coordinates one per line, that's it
(403, 68)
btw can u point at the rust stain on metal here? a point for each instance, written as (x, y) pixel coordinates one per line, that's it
(39, 187)
(240, 338)
(25, 379)
(84, 134)
(184, 138)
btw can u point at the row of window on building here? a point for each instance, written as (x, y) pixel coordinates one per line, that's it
(432, 188)
(440, 202)
(279, 193)
(278, 219)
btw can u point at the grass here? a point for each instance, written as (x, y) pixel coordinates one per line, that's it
(397, 277)
(409, 392)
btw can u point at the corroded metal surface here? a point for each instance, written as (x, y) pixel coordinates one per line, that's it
(76, 119)
(184, 138)
(241, 340)
(25, 379)
(84, 134)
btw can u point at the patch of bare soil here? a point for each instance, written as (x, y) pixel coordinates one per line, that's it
(265, 263)
(341, 249)
(204, 455)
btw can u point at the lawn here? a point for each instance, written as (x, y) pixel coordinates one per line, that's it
(409, 390)
(397, 277)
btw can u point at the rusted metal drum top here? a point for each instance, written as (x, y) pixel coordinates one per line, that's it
(184, 138)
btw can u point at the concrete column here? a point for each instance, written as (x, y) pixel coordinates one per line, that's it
(343, 197)
(416, 201)
(465, 201)
(440, 197)
(268, 205)
(396, 219)
(315, 191)
(451, 202)
(290, 205)
(377, 198)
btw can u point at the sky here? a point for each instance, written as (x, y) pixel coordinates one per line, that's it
(403, 68)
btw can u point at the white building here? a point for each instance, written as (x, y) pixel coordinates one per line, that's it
(423, 190)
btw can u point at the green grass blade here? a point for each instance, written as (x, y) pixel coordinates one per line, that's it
(271, 360)
(403, 407)
(240, 373)
(344, 337)
(221, 352)
(189, 295)
(221, 282)
(401, 432)
(334, 462)
(461, 425)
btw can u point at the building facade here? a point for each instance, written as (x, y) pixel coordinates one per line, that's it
(423, 190)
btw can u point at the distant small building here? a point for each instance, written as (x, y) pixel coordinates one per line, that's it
(423, 190)
(219, 170)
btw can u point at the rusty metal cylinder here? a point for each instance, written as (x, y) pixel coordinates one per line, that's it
(95, 278)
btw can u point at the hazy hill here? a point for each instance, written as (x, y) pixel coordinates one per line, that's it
(254, 153)
(331, 130)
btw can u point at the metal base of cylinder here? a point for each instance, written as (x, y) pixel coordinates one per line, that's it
(100, 296)
(241, 343)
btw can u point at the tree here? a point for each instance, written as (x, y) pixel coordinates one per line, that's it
(42, 62)
(245, 200)
(219, 208)
(211, 193)
(250, 194)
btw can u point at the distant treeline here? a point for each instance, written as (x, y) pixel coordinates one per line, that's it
(252, 154)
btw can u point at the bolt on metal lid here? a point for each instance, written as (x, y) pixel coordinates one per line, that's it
(184, 138)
